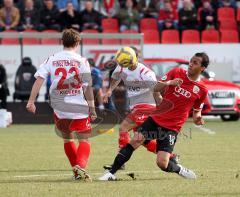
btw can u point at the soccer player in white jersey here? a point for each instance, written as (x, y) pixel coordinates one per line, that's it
(71, 98)
(139, 81)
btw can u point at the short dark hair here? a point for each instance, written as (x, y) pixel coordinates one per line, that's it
(205, 59)
(70, 38)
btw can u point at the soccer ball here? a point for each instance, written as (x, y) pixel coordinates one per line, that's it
(126, 57)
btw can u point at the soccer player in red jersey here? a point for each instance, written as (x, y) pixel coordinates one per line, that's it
(141, 101)
(165, 126)
(71, 98)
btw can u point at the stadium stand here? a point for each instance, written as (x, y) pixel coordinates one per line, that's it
(190, 36)
(225, 18)
(230, 24)
(90, 40)
(151, 37)
(170, 37)
(110, 41)
(110, 24)
(129, 41)
(10, 41)
(210, 36)
(49, 41)
(230, 36)
(225, 13)
(30, 41)
(148, 24)
(238, 14)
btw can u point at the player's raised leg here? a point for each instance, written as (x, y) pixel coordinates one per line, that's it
(123, 156)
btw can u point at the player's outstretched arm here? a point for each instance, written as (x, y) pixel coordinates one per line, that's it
(161, 85)
(113, 84)
(197, 117)
(88, 93)
(35, 90)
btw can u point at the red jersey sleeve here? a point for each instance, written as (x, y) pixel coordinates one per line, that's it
(170, 75)
(198, 105)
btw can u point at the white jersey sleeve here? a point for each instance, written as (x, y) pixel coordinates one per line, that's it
(149, 79)
(44, 69)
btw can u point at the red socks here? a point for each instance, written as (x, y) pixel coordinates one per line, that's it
(151, 146)
(124, 139)
(83, 153)
(71, 152)
(77, 156)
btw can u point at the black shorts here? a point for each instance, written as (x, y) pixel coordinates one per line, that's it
(166, 138)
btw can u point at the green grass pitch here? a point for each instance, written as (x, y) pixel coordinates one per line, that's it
(33, 163)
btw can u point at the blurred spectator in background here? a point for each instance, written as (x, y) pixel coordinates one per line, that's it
(148, 8)
(90, 18)
(4, 92)
(38, 4)
(188, 16)
(48, 84)
(49, 16)
(9, 16)
(29, 16)
(62, 4)
(197, 3)
(129, 17)
(70, 18)
(24, 79)
(168, 17)
(208, 16)
(227, 3)
(97, 83)
(109, 8)
(122, 3)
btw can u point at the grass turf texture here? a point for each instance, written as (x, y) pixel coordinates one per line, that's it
(33, 164)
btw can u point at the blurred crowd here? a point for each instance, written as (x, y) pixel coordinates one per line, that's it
(57, 15)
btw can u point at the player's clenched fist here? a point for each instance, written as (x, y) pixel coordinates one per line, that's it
(92, 113)
(31, 107)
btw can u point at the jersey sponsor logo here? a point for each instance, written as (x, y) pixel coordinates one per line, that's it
(182, 92)
(164, 77)
(134, 89)
(196, 89)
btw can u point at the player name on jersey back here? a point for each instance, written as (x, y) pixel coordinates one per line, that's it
(69, 72)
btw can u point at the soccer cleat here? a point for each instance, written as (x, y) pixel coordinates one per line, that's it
(186, 173)
(80, 174)
(109, 167)
(107, 177)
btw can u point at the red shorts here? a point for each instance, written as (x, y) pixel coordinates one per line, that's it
(70, 125)
(140, 113)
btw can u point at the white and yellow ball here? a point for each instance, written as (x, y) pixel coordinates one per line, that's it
(126, 57)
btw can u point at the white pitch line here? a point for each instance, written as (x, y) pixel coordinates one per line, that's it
(94, 173)
(120, 173)
(204, 129)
